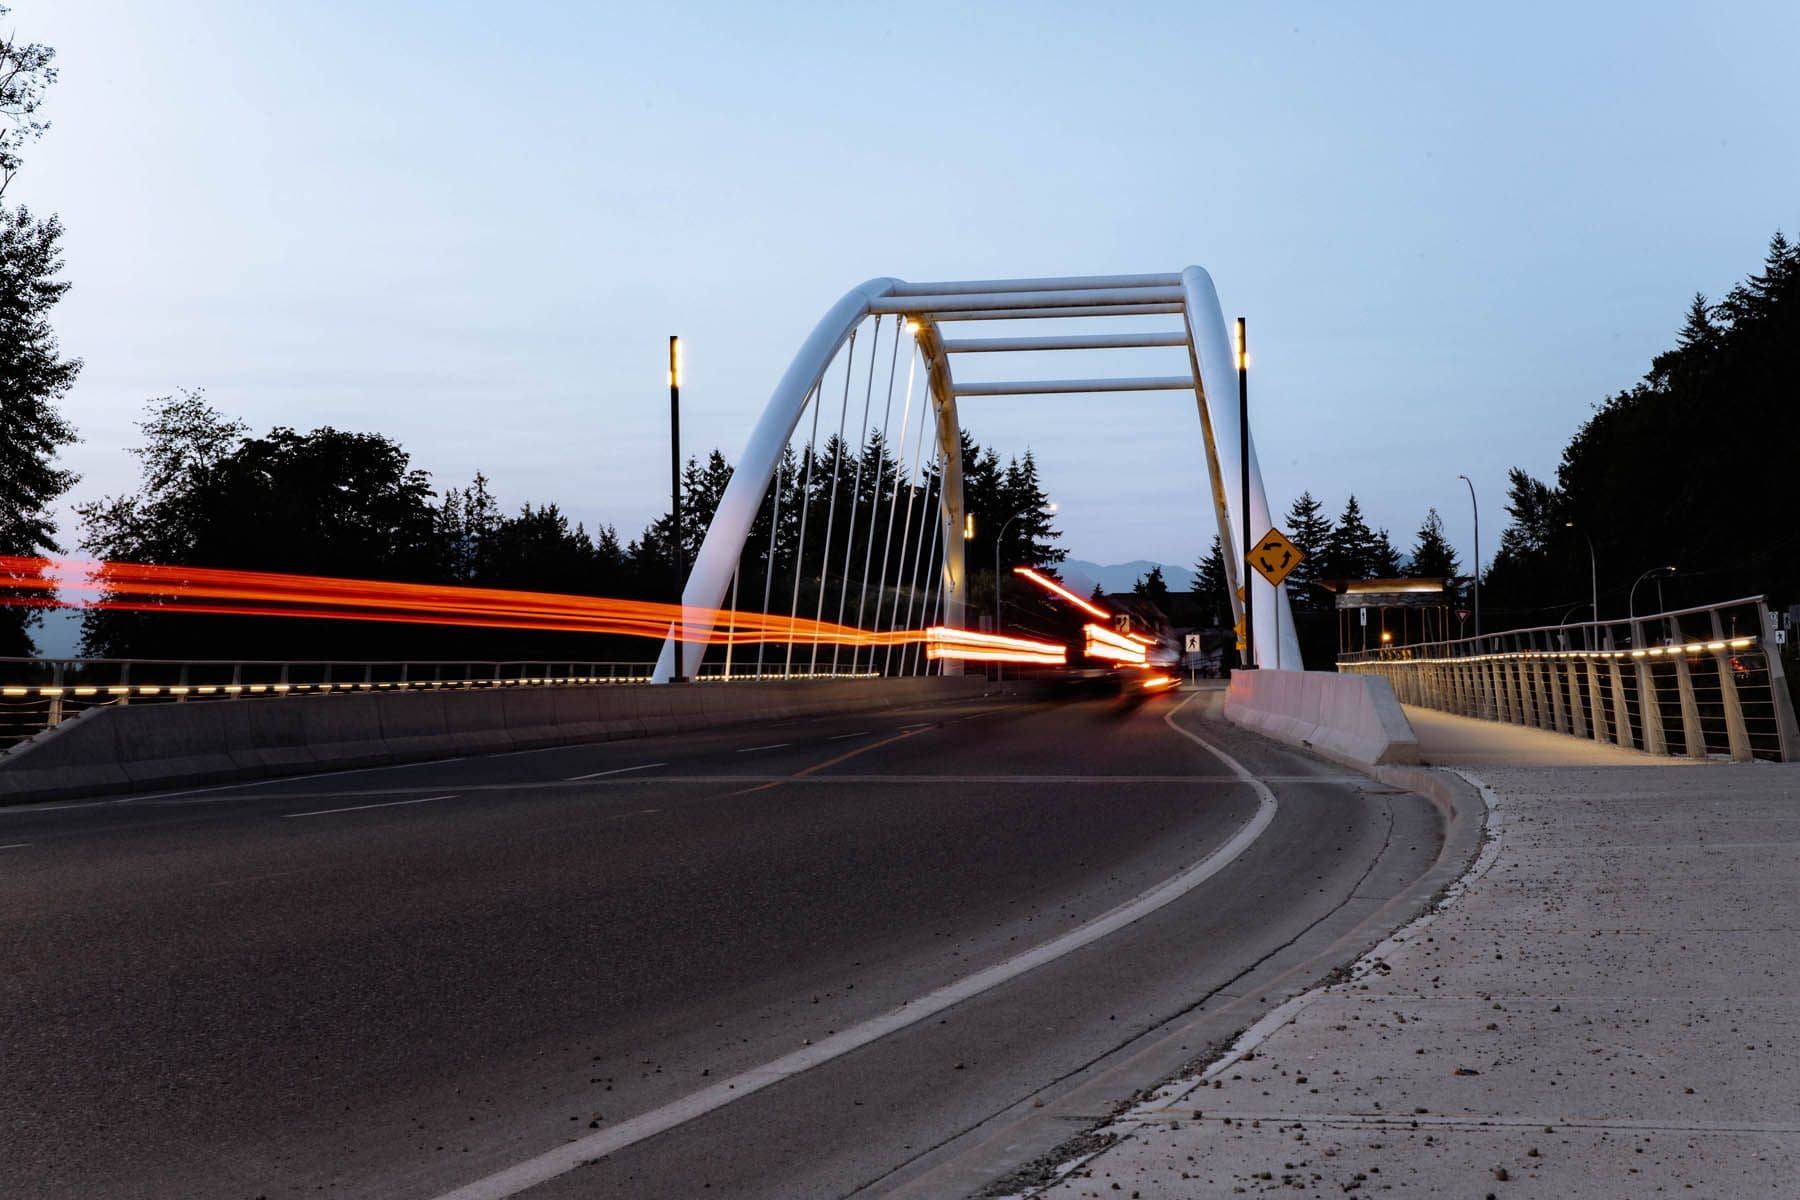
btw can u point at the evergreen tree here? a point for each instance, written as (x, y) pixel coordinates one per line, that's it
(1309, 529)
(1432, 555)
(1211, 590)
(1153, 587)
(33, 374)
(1384, 557)
(1352, 550)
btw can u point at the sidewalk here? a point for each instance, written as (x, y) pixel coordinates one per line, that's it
(1610, 1008)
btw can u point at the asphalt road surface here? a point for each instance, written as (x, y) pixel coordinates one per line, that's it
(404, 981)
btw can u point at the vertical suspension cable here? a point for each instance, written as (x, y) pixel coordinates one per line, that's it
(812, 453)
(887, 416)
(908, 659)
(862, 439)
(769, 566)
(906, 529)
(837, 463)
(887, 545)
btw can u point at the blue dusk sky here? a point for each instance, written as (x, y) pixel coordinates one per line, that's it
(1453, 229)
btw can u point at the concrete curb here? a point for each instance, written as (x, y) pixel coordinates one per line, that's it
(119, 749)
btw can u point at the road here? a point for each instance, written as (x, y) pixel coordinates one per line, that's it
(397, 982)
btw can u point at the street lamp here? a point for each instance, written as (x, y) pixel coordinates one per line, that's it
(998, 538)
(1593, 568)
(1477, 510)
(1660, 573)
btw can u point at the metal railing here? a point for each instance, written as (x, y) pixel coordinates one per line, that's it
(1697, 682)
(39, 693)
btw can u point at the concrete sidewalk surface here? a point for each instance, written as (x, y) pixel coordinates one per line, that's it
(1608, 1005)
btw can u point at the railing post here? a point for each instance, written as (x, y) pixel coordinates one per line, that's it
(1577, 710)
(1522, 671)
(1691, 731)
(125, 683)
(56, 696)
(1552, 690)
(182, 681)
(1649, 703)
(1737, 737)
(1778, 688)
(1621, 713)
(1596, 699)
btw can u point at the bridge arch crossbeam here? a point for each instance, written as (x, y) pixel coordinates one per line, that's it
(1189, 293)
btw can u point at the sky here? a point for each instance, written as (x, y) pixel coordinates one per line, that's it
(1453, 231)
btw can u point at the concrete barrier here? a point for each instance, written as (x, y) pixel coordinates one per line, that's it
(1355, 718)
(174, 745)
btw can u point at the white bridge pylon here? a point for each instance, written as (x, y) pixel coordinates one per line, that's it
(927, 307)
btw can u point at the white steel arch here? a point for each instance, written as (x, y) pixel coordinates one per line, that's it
(930, 306)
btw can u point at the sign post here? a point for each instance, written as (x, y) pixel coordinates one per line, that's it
(1274, 557)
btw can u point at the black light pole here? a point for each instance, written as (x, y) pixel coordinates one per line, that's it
(675, 675)
(1243, 366)
(1477, 509)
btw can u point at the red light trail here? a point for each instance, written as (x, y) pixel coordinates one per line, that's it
(140, 587)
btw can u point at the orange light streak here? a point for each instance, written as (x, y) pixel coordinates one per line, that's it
(138, 587)
(1103, 643)
(1055, 588)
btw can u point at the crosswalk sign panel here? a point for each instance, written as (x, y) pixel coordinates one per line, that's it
(1274, 557)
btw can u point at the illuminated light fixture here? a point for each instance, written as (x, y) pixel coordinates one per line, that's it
(1715, 645)
(1102, 643)
(1056, 589)
(912, 328)
(674, 362)
(969, 525)
(1742, 643)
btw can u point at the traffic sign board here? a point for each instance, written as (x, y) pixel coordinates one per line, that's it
(1191, 644)
(1274, 557)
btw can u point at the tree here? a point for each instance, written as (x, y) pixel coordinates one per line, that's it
(1432, 555)
(1352, 550)
(1211, 588)
(1152, 587)
(34, 375)
(1309, 529)
(25, 75)
(328, 502)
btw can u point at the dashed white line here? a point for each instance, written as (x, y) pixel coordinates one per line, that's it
(322, 812)
(841, 736)
(773, 746)
(15, 846)
(614, 771)
(571, 1155)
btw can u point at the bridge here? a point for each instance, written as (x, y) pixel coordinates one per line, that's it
(846, 916)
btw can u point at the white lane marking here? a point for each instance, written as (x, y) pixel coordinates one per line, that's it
(838, 737)
(15, 846)
(614, 771)
(920, 725)
(772, 746)
(322, 812)
(565, 1158)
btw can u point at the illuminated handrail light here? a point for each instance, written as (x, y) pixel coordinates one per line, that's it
(1056, 589)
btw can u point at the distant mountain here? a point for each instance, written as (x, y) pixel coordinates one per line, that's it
(1082, 575)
